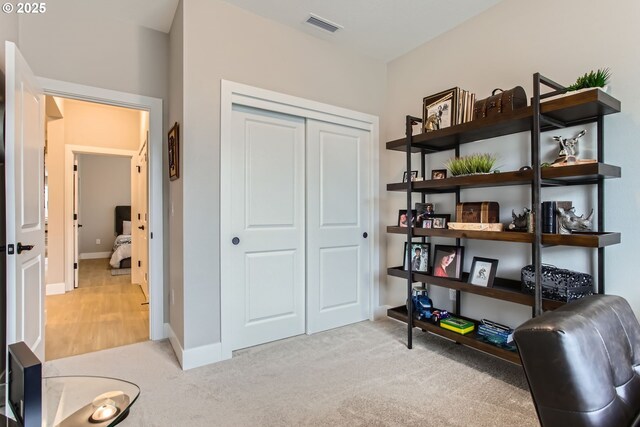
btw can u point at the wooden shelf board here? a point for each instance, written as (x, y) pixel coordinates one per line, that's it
(503, 289)
(575, 174)
(587, 240)
(574, 109)
(470, 339)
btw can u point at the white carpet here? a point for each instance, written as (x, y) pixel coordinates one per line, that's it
(359, 375)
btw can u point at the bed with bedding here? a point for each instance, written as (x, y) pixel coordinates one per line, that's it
(121, 257)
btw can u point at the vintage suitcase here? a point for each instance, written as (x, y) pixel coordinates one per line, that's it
(486, 212)
(504, 102)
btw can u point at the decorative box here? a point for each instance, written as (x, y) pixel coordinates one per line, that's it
(475, 226)
(455, 324)
(486, 212)
(557, 283)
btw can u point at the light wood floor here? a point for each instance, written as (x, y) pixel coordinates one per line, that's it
(104, 312)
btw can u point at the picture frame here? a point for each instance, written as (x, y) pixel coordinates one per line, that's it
(427, 223)
(438, 174)
(483, 271)
(418, 255)
(414, 176)
(174, 152)
(439, 110)
(424, 211)
(448, 261)
(440, 220)
(402, 217)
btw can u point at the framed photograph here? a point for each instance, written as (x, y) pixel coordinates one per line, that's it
(438, 174)
(439, 110)
(174, 152)
(403, 220)
(448, 261)
(427, 223)
(425, 210)
(440, 221)
(483, 271)
(414, 176)
(418, 255)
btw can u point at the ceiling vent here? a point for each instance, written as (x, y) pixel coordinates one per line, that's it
(323, 24)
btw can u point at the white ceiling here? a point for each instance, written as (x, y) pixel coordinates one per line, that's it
(154, 14)
(382, 29)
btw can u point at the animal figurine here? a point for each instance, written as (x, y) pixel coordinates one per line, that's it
(434, 120)
(569, 221)
(519, 222)
(568, 148)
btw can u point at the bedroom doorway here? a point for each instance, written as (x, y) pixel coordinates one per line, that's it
(101, 252)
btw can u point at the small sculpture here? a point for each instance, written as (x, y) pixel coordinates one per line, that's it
(569, 221)
(434, 120)
(568, 148)
(519, 222)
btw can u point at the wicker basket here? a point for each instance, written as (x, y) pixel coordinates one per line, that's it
(557, 283)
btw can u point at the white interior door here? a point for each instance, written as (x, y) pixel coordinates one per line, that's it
(24, 174)
(76, 222)
(142, 228)
(268, 261)
(338, 200)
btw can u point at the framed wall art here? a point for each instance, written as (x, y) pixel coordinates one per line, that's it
(174, 152)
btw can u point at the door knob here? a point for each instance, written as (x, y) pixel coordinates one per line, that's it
(21, 247)
(235, 240)
(141, 227)
(365, 235)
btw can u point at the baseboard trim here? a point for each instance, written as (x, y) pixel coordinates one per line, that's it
(193, 357)
(380, 312)
(94, 255)
(56, 288)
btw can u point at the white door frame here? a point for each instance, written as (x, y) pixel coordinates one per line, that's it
(156, 214)
(240, 94)
(70, 153)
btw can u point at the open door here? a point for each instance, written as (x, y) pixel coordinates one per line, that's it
(24, 176)
(76, 222)
(142, 220)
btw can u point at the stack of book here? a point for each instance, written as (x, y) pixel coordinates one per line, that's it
(466, 100)
(495, 333)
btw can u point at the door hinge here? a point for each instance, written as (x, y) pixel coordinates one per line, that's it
(75, 265)
(75, 217)
(138, 167)
(75, 168)
(11, 249)
(151, 235)
(139, 263)
(138, 217)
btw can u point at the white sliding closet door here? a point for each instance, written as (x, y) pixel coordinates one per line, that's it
(268, 226)
(337, 223)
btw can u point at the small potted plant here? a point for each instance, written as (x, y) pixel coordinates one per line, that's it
(599, 78)
(472, 164)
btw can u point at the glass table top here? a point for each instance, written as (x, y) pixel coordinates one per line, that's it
(84, 400)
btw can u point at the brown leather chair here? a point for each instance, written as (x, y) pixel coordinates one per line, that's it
(582, 362)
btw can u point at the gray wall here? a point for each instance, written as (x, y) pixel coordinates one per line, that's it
(8, 31)
(105, 182)
(176, 95)
(222, 41)
(501, 48)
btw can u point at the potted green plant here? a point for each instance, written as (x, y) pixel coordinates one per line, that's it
(471, 164)
(599, 78)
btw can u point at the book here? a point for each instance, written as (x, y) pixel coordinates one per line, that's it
(455, 324)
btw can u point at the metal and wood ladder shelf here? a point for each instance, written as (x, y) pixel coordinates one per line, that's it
(569, 110)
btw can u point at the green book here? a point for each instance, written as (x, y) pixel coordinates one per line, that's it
(457, 325)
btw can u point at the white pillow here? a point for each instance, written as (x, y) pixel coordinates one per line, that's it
(126, 227)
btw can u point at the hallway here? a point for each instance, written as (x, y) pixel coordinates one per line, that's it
(105, 311)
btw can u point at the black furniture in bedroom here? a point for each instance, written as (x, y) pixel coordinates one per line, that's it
(582, 362)
(122, 213)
